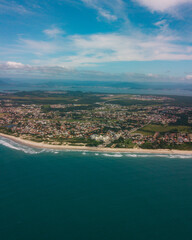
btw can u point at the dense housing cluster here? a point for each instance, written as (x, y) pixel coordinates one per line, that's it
(109, 121)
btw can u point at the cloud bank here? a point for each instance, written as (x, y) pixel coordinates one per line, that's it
(16, 70)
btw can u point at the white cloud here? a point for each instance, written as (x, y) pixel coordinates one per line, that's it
(53, 32)
(22, 71)
(107, 15)
(109, 10)
(7, 7)
(161, 23)
(90, 50)
(38, 47)
(188, 77)
(100, 48)
(162, 5)
(14, 65)
(152, 75)
(163, 26)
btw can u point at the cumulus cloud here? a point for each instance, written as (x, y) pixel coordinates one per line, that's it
(162, 5)
(13, 65)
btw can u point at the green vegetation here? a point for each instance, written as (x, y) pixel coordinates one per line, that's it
(130, 102)
(77, 141)
(46, 108)
(182, 121)
(152, 128)
(182, 101)
(46, 97)
(6, 130)
(165, 145)
(122, 143)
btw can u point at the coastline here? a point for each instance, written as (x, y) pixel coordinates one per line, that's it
(93, 149)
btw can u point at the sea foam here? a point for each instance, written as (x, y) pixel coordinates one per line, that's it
(29, 150)
(112, 155)
(19, 147)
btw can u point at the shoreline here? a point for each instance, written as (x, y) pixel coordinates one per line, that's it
(93, 149)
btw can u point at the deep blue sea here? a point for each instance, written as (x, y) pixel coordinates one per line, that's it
(60, 195)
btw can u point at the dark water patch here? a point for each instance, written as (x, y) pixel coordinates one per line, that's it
(74, 196)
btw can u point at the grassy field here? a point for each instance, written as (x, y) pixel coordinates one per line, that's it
(152, 128)
(41, 97)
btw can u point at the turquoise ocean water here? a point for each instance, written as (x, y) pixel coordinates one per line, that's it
(46, 195)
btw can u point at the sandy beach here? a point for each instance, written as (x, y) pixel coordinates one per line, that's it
(97, 149)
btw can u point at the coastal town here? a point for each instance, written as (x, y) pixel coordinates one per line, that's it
(150, 122)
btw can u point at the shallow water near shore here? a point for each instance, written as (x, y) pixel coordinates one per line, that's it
(50, 194)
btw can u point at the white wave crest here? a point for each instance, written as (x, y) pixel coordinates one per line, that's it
(19, 147)
(160, 156)
(131, 155)
(112, 155)
(16, 146)
(181, 156)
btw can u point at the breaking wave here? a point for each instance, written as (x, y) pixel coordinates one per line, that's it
(29, 150)
(19, 147)
(159, 155)
(152, 155)
(112, 155)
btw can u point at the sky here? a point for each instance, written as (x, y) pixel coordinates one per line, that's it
(96, 40)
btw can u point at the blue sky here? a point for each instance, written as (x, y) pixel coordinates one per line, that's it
(96, 39)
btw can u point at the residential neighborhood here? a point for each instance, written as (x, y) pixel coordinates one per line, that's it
(106, 124)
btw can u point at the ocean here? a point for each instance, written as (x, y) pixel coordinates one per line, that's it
(70, 195)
